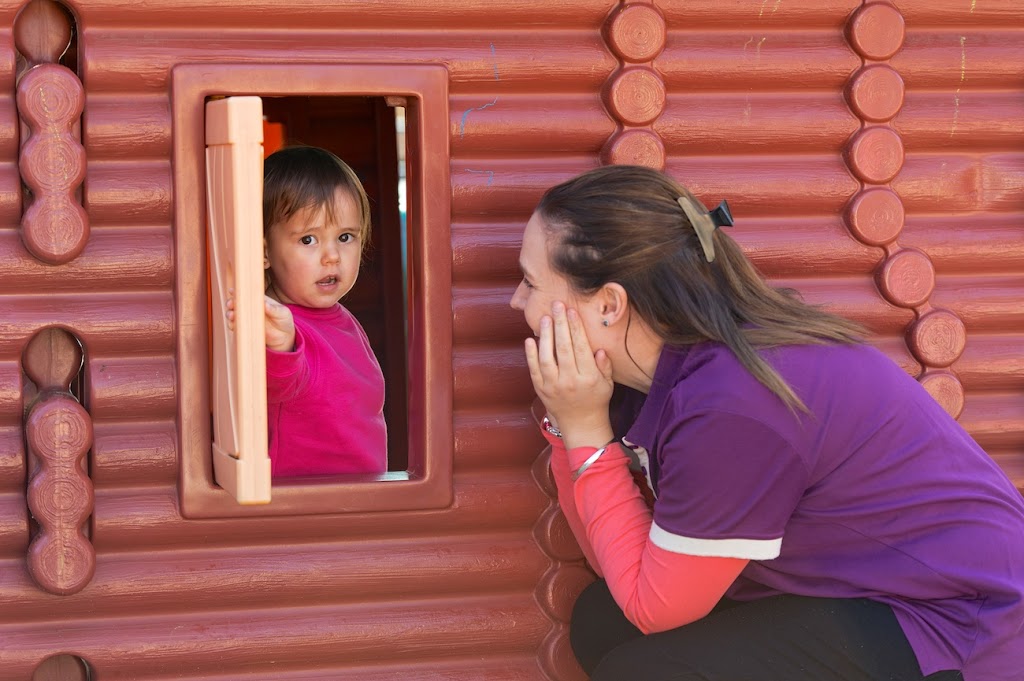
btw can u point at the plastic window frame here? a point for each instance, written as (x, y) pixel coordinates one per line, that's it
(427, 484)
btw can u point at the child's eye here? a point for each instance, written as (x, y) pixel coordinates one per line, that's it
(307, 240)
(346, 237)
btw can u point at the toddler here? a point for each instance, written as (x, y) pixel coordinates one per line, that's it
(325, 389)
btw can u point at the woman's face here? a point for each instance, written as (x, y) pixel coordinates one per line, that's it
(541, 285)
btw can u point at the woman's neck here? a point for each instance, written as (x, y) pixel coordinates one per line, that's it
(636, 359)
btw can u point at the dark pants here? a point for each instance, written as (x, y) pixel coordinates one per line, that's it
(783, 638)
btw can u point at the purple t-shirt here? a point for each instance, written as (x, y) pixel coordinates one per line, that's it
(325, 399)
(876, 493)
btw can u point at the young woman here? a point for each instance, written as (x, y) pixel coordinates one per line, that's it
(817, 516)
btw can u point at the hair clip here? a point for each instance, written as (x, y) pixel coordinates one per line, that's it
(705, 223)
(722, 216)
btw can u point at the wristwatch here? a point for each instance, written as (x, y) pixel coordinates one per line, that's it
(549, 427)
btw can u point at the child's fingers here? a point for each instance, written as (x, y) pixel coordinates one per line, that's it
(275, 310)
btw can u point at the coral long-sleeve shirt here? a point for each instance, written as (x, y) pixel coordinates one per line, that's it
(657, 589)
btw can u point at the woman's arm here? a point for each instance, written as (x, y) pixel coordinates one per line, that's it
(566, 499)
(656, 589)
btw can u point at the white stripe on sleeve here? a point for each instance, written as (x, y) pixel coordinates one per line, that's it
(750, 549)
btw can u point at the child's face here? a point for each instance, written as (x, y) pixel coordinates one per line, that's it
(313, 262)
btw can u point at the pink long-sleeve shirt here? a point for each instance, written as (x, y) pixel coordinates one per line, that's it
(325, 399)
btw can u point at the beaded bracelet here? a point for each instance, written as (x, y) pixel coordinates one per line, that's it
(550, 427)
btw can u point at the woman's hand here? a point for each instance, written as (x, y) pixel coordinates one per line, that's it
(573, 382)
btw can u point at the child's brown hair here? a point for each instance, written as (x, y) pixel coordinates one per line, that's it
(301, 177)
(298, 177)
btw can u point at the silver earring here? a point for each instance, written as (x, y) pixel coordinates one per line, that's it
(604, 322)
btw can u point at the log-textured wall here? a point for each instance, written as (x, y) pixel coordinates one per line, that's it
(872, 153)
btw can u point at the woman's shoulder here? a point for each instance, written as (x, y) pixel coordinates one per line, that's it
(709, 376)
(717, 359)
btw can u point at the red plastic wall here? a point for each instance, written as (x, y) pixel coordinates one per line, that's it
(873, 155)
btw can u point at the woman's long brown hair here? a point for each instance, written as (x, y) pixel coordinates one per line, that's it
(624, 224)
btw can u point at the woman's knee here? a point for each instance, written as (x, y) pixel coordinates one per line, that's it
(598, 626)
(639, 660)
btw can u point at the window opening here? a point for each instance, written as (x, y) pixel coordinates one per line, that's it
(362, 131)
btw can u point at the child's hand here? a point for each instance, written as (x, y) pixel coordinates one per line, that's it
(280, 326)
(229, 305)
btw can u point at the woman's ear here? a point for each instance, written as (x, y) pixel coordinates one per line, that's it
(613, 303)
(266, 255)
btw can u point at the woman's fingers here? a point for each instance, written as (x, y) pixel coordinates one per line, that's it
(563, 342)
(533, 362)
(546, 350)
(561, 354)
(582, 354)
(604, 364)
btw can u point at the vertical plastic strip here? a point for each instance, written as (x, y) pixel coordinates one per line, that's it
(234, 172)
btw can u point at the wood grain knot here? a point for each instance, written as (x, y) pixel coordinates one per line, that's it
(554, 536)
(55, 227)
(61, 564)
(50, 98)
(635, 147)
(907, 278)
(558, 590)
(875, 155)
(876, 93)
(42, 31)
(52, 359)
(947, 390)
(58, 428)
(876, 216)
(636, 33)
(556, 659)
(876, 31)
(636, 96)
(60, 495)
(938, 338)
(62, 668)
(541, 470)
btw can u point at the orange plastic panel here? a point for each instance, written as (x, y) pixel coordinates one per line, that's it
(234, 189)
